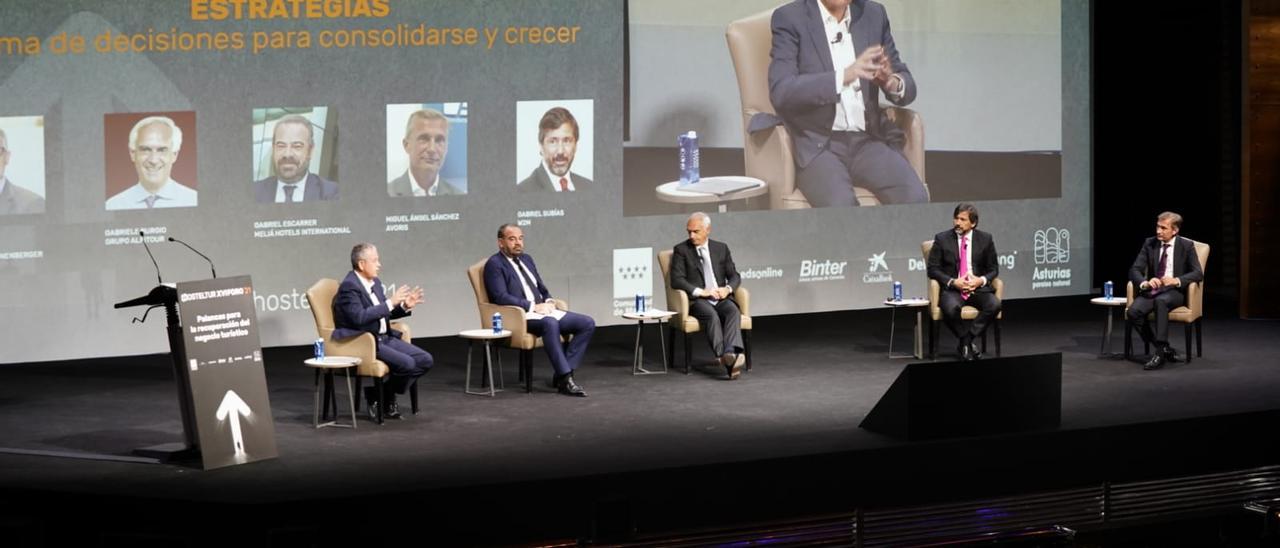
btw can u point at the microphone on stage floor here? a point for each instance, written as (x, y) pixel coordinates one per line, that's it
(159, 280)
(193, 250)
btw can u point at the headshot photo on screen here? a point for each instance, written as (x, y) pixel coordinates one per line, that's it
(21, 165)
(159, 169)
(554, 145)
(426, 150)
(294, 156)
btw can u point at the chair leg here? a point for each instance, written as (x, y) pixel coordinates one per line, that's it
(1128, 339)
(671, 348)
(746, 343)
(933, 338)
(997, 326)
(689, 350)
(413, 397)
(1187, 336)
(1199, 344)
(380, 388)
(526, 365)
(984, 341)
(359, 393)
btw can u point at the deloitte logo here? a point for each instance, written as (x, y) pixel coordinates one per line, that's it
(1051, 246)
(821, 270)
(877, 270)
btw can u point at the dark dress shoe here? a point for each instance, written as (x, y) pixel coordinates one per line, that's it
(372, 409)
(965, 352)
(734, 368)
(392, 411)
(974, 353)
(570, 388)
(1156, 362)
(1170, 355)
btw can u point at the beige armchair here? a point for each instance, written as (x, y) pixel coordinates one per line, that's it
(682, 322)
(512, 320)
(767, 152)
(1189, 315)
(320, 297)
(967, 313)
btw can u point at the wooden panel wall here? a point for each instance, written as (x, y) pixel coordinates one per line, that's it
(1260, 163)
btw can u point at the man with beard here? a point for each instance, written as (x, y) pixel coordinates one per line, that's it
(426, 142)
(154, 143)
(291, 146)
(558, 142)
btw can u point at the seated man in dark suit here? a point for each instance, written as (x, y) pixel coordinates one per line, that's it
(292, 142)
(361, 306)
(510, 278)
(703, 268)
(964, 261)
(1164, 266)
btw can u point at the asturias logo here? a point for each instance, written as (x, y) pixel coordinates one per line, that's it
(1052, 246)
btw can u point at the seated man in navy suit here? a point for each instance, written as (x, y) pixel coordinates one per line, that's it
(511, 278)
(361, 306)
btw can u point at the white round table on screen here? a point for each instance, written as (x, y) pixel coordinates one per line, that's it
(671, 192)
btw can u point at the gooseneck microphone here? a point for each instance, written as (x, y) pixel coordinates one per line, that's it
(159, 280)
(193, 250)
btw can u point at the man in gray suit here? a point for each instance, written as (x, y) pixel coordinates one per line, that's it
(292, 142)
(15, 200)
(830, 61)
(426, 142)
(558, 143)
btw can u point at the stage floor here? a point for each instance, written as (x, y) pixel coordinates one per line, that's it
(814, 379)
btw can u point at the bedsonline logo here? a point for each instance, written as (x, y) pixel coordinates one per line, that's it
(765, 273)
(1051, 247)
(877, 270)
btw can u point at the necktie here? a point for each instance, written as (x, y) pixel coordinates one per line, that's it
(151, 201)
(288, 193)
(533, 287)
(964, 262)
(708, 273)
(564, 184)
(1160, 266)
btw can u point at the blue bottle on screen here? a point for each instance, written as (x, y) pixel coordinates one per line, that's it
(689, 161)
(897, 290)
(497, 322)
(1107, 288)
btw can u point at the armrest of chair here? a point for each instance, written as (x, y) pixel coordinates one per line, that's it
(1195, 300)
(361, 346)
(678, 302)
(512, 318)
(1128, 297)
(935, 292)
(743, 298)
(998, 285)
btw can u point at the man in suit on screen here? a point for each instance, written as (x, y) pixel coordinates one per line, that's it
(362, 306)
(292, 142)
(511, 278)
(703, 268)
(963, 260)
(426, 142)
(557, 144)
(1165, 265)
(829, 64)
(154, 146)
(15, 200)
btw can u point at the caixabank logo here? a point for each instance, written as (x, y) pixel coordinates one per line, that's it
(877, 269)
(1052, 253)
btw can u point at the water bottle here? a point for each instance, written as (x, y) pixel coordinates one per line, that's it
(639, 303)
(497, 322)
(318, 348)
(689, 161)
(897, 290)
(1107, 288)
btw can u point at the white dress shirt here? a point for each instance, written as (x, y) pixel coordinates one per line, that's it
(170, 194)
(420, 192)
(368, 288)
(282, 194)
(555, 179)
(850, 109)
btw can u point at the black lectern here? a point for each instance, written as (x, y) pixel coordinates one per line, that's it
(189, 448)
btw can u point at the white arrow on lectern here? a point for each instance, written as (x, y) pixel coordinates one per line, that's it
(232, 403)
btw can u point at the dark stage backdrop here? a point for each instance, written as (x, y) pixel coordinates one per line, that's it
(226, 72)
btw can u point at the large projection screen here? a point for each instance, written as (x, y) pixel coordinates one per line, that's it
(1003, 85)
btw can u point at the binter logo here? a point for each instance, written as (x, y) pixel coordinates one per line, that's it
(1052, 246)
(821, 270)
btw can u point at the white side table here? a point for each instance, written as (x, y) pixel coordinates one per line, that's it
(670, 192)
(486, 336)
(658, 317)
(328, 364)
(1110, 304)
(918, 345)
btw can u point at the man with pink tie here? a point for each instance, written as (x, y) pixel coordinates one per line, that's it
(963, 261)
